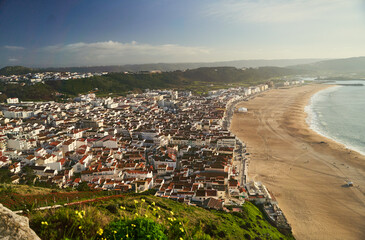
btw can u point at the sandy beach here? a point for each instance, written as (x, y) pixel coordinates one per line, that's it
(306, 172)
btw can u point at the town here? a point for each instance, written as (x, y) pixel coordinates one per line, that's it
(171, 141)
(33, 78)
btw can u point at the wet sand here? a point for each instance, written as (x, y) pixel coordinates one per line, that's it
(306, 176)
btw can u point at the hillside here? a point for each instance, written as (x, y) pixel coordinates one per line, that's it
(195, 80)
(166, 67)
(149, 217)
(335, 66)
(15, 70)
(37, 92)
(198, 80)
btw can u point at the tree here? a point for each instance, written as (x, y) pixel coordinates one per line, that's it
(5, 175)
(83, 187)
(29, 175)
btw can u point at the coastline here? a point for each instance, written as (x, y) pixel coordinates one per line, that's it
(316, 129)
(306, 176)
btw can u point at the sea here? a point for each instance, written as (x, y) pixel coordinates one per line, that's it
(338, 113)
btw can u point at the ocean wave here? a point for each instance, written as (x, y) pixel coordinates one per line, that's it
(315, 119)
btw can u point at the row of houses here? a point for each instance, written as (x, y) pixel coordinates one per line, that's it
(165, 140)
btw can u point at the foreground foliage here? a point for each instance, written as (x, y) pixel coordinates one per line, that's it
(149, 217)
(12, 199)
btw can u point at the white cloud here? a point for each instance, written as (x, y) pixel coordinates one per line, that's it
(280, 11)
(15, 48)
(118, 48)
(112, 52)
(13, 60)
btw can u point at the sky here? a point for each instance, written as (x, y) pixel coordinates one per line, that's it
(53, 33)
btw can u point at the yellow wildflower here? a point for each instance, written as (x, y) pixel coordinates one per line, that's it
(143, 200)
(158, 208)
(133, 225)
(135, 201)
(126, 235)
(172, 213)
(181, 229)
(80, 227)
(115, 232)
(153, 203)
(100, 231)
(121, 207)
(181, 238)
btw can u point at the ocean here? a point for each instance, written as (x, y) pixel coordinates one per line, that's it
(338, 113)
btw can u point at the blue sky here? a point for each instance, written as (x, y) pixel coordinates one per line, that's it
(94, 32)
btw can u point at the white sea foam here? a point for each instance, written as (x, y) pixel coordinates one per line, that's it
(318, 121)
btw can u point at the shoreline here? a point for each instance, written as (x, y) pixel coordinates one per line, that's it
(309, 111)
(306, 176)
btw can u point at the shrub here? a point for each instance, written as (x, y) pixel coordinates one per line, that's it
(68, 223)
(138, 228)
(113, 208)
(247, 236)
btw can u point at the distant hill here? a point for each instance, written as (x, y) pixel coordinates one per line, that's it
(315, 66)
(335, 66)
(184, 66)
(197, 80)
(165, 67)
(15, 70)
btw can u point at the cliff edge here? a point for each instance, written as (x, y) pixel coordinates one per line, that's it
(13, 226)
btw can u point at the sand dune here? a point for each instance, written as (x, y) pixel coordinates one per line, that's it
(306, 176)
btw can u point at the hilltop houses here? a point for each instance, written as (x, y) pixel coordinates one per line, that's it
(170, 141)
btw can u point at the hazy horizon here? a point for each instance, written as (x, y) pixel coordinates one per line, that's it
(93, 33)
(250, 63)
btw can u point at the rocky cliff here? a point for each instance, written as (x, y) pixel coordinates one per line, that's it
(14, 227)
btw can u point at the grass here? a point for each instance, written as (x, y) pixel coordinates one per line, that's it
(24, 197)
(176, 219)
(25, 189)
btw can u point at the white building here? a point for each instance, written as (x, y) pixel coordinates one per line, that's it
(19, 144)
(17, 113)
(12, 100)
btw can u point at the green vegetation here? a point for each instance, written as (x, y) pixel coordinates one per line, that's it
(25, 189)
(140, 216)
(199, 81)
(127, 228)
(16, 70)
(5, 175)
(352, 67)
(36, 92)
(166, 67)
(11, 199)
